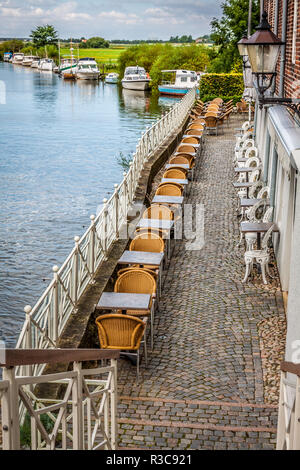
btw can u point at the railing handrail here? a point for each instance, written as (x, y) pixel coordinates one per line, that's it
(290, 367)
(20, 357)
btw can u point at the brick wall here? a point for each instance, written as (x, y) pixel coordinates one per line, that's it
(292, 71)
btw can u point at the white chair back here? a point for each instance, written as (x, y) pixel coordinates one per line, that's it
(264, 193)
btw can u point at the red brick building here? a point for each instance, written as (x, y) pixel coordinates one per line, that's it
(284, 18)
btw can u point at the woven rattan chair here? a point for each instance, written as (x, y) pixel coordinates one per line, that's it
(186, 148)
(181, 160)
(212, 124)
(130, 268)
(217, 100)
(199, 122)
(149, 241)
(177, 173)
(149, 230)
(194, 132)
(187, 156)
(123, 332)
(169, 189)
(138, 281)
(191, 140)
(158, 211)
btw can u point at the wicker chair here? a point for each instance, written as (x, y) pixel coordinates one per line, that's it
(149, 241)
(188, 156)
(191, 140)
(169, 189)
(194, 132)
(199, 122)
(123, 332)
(149, 230)
(217, 100)
(212, 124)
(177, 173)
(158, 211)
(130, 268)
(186, 148)
(138, 281)
(182, 160)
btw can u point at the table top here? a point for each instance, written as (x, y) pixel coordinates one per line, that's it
(244, 169)
(174, 180)
(257, 227)
(168, 199)
(242, 160)
(141, 257)
(186, 166)
(124, 301)
(156, 223)
(251, 202)
(245, 184)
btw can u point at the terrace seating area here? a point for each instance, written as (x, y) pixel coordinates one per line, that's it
(137, 290)
(254, 204)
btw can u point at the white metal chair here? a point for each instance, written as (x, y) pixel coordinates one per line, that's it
(260, 256)
(251, 237)
(264, 193)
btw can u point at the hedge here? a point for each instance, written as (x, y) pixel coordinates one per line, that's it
(226, 98)
(221, 84)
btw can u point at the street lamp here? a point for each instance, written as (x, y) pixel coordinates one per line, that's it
(247, 72)
(263, 49)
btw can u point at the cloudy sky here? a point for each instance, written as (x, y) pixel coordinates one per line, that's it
(112, 19)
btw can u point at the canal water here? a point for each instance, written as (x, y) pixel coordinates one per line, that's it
(59, 143)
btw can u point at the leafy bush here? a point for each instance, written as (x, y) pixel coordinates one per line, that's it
(223, 84)
(226, 98)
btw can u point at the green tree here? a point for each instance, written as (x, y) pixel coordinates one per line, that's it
(227, 31)
(13, 45)
(44, 35)
(95, 43)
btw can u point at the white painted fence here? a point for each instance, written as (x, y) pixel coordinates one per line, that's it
(45, 322)
(85, 417)
(288, 427)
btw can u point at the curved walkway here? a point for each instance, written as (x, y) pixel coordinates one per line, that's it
(212, 379)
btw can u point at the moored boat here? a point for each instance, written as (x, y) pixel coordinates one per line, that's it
(35, 63)
(183, 82)
(7, 56)
(112, 78)
(87, 69)
(46, 64)
(18, 58)
(68, 67)
(28, 59)
(136, 78)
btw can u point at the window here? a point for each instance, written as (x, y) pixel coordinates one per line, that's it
(294, 32)
(183, 79)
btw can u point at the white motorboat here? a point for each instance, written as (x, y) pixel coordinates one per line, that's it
(18, 58)
(46, 64)
(135, 78)
(112, 78)
(35, 63)
(68, 67)
(7, 56)
(28, 59)
(183, 82)
(87, 69)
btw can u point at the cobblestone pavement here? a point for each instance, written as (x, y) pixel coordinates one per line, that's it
(205, 386)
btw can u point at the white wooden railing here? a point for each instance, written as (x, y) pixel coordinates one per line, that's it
(45, 322)
(85, 417)
(288, 428)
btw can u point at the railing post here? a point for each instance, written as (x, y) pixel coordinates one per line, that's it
(6, 419)
(76, 266)
(14, 427)
(28, 345)
(114, 403)
(92, 246)
(105, 228)
(78, 425)
(54, 327)
(116, 195)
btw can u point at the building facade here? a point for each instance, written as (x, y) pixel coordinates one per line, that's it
(277, 134)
